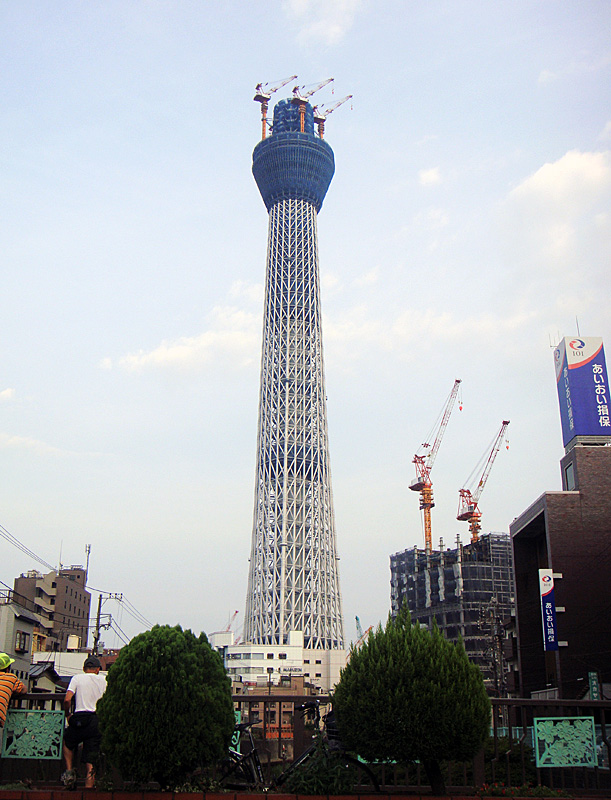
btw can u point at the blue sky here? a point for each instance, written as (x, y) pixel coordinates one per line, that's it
(467, 227)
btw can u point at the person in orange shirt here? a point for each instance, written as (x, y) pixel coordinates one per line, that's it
(10, 685)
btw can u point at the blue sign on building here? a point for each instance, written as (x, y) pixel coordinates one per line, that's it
(548, 609)
(583, 388)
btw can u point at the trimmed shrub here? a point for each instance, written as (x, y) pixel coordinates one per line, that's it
(167, 708)
(410, 695)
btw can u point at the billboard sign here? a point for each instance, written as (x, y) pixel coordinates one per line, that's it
(583, 387)
(548, 609)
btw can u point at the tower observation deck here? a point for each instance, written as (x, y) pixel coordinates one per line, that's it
(293, 582)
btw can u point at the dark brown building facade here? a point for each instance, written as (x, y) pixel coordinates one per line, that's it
(568, 532)
(63, 603)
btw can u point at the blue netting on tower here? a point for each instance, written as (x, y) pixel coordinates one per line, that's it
(293, 166)
(286, 118)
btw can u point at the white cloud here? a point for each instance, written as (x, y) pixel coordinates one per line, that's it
(250, 292)
(546, 76)
(25, 443)
(329, 282)
(6, 395)
(368, 279)
(570, 185)
(431, 219)
(323, 20)
(232, 339)
(429, 177)
(573, 68)
(557, 206)
(605, 134)
(349, 338)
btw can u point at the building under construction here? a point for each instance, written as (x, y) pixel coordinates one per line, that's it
(468, 591)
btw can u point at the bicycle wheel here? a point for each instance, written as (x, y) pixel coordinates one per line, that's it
(305, 756)
(355, 762)
(236, 772)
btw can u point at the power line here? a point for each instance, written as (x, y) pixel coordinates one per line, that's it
(128, 607)
(118, 630)
(136, 614)
(11, 539)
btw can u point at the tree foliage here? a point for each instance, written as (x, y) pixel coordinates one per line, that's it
(408, 694)
(167, 708)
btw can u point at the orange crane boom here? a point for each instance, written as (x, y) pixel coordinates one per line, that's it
(424, 464)
(468, 508)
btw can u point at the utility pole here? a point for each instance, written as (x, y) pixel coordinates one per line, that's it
(98, 626)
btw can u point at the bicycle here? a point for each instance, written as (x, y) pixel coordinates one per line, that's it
(327, 744)
(244, 770)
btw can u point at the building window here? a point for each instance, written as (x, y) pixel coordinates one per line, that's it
(282, 655)
(270, 655)
(569, 477)
(306, 660)
(318, 675)
(318, 661)
(22, 642)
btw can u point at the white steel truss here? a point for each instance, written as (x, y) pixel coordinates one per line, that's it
(293, 579)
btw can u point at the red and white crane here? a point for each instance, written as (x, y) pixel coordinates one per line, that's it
(424, 464)
(468, 502)
(301, 99)
(263, 92)
(227, 628)
(322, 112)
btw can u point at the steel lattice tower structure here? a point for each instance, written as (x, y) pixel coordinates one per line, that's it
(293, 582)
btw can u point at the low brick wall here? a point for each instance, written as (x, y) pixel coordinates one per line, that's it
(89, 794)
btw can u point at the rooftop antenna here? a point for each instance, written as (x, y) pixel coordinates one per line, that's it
(577, 323)
(61, 544)
(88, 552)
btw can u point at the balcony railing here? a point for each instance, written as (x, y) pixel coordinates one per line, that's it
(510, 757)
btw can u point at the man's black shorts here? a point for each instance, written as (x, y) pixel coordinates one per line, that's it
(83, 727)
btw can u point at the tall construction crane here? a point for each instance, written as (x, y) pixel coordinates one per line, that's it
(227, 628)
(362, 635)
(321, 113)
(263, 92)
(424, 464)
(301, 100)
(468, 508)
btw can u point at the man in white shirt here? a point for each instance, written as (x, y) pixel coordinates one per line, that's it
(85, 690)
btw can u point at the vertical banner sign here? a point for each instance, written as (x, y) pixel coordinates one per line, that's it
(583, 388)
(548, 609)
(594, 686)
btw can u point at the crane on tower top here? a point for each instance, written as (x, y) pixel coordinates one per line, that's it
(301, 99)
(321, 113)
(468, 502)
(424, 461)
(263, 92)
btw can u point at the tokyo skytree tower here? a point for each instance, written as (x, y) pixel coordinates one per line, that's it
(293, 582)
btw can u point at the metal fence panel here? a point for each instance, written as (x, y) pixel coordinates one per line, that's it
(565, 742)
(33, 734)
